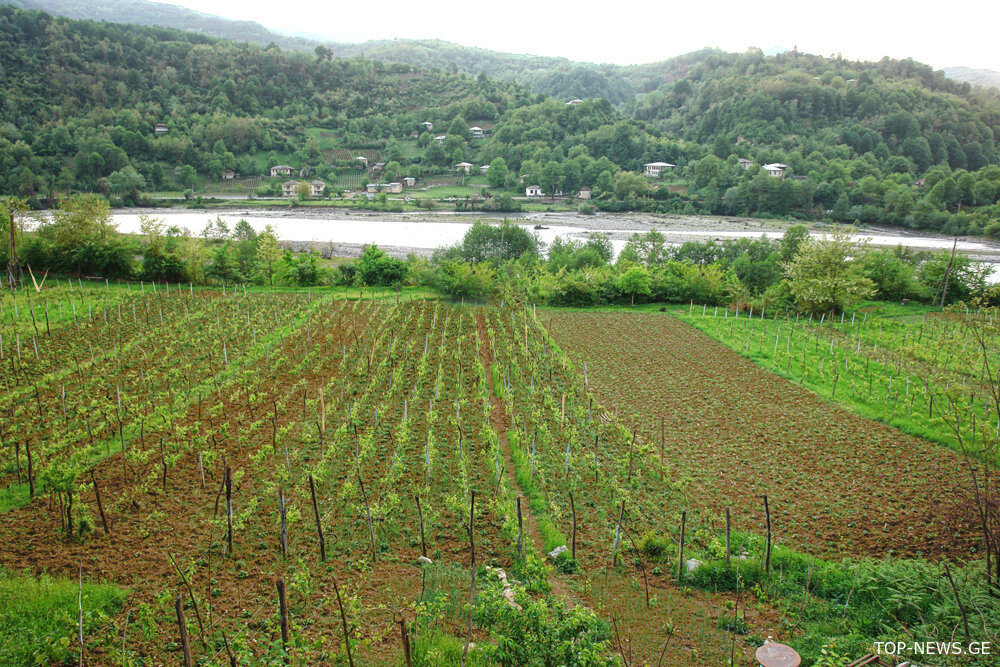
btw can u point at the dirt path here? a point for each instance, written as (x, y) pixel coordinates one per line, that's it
(500, 423)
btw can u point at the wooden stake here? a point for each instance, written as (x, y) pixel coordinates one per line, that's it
(420, 517)
(343, 620)
(284, 522)
(767, 553)
(229, 509)
(319, 526)
(520, 532)
(100, 505)
(283, 610)
(572, 509)
(680, 551)
(182, 626)
(472, 568)
(727, 535)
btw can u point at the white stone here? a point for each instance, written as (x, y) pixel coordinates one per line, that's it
(425, 560)
(692, 564)
(562, 548)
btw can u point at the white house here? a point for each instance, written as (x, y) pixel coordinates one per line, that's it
(584, 193)
(316, 188)
(440, 138)
(384, 187)
(476, 132)
(464, 166)
(533, 191)
(228, 175)
(363, 160)
(428, 125)
(281, 170)
(775, 169)
(409, 181)
(484, 168)
(655, 169)
(745, 163)
(160, 128)
(288, 188)
(574, 102)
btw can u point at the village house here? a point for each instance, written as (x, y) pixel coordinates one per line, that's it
(464, 167)
(363, 160)
(288, 188)
(745, 163)
(281, 170)
(161, 128)
(409, 181)
(477, 132)
(316, 188)
(393, 188)
(228, 175)
(484, 168)
(533, 191)
(428, 125)
(440, 138)
(574, 102)
(775, 169)
(656, 169)
(379, 166)
(584, 193)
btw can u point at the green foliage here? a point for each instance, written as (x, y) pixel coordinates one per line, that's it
(39, 617)
(374, 267)
(542, 633)
(827, 274)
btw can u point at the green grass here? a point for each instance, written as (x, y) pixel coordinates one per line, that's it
(846, 606)
(444, 191)
(38, 617)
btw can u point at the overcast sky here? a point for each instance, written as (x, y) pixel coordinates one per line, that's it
(941, 34)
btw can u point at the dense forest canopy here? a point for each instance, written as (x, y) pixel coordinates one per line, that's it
(883, 142)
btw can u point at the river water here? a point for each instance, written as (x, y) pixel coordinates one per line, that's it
(424, 232)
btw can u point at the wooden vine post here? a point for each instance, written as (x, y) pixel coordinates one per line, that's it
(283, 610)
(520, 532)
(343, 621)
(100, 505)
(319, 525)
(182, 627)
(472, 568)
(229, 509)
(420, 517)
(767, 553)
(680, 551)
(572, 509)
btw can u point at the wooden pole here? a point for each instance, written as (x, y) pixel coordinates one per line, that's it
(182, 626)
(572, 509)
(420, 517)
(100, 505)
(767, 553)
(405, 636)
(319, 526)
(368, 514)
(472, 568)
(520, 531)
(680, 551)
(727, 535)
(343, 620)
(284, 522)
(283, 609)
(229, 509)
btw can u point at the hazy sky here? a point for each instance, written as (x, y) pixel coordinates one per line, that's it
(960, 32)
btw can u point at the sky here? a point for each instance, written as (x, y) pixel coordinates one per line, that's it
(960, 32)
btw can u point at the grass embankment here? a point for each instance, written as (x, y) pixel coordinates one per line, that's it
(39, 617)
(912, 367)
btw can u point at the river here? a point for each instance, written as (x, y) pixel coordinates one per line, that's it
(350, 231)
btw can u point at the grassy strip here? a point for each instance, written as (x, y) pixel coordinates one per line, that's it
(844, 607)
(832, 384)
(38, 617)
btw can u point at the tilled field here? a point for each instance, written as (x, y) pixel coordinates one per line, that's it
(837, 484)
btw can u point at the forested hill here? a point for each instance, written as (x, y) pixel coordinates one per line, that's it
(797, 104)
(79, 100)
(143, 12)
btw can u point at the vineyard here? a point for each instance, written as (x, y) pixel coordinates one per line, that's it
(301, 477)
